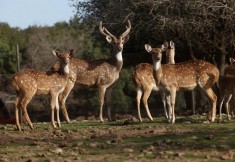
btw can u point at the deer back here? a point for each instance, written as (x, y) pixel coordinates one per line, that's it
(230, 70)
(188, 75)
(226, 84)
(91, 73)
(98, 72)
(40, 81)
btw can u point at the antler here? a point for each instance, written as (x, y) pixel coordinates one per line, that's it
(104, 31)
(127, 30)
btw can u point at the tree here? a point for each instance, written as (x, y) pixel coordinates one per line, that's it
(204, 25)
(9, 38)
(202, 29)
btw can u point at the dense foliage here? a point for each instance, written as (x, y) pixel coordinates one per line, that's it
(203, 28)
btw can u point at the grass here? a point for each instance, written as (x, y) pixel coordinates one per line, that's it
(187, 139)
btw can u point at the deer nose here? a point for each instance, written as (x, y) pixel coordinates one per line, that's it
(158, 58)
(120, 48)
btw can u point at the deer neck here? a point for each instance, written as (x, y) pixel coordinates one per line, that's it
(117, 60)
(64, 71)
(157, 71)
(170, 56)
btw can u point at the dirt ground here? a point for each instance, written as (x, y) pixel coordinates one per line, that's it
(190, 139)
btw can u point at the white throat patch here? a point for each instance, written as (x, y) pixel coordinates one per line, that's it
(66, 69)
(119, 56)
(156, 65)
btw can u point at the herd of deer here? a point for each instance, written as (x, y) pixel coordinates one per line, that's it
(166, 78)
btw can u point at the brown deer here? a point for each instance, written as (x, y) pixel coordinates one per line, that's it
(35, 82)
(99, 73)
(184, 76)
(230, 70)
(145, 83)
(227, 91)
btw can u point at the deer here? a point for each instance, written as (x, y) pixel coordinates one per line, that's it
(184, 76)
(101, 74)
(28, 83)
(145, 83)
(230, 70)
(227, 91)
(226, 88)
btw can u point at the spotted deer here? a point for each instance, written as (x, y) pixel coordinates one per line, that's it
(101, 74)
(227, 91)
(29, 83)
(145, 83)
(184, 76)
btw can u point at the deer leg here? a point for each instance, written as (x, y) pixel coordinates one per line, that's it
(62, 98)
(172, 98)
(53, 103)
(227, 99)
(57, 111)
(168, 101)
(221, 101)
(232, 103)
(101, 101)
(145, 102)
(164, 100)
(24, 103)
(232, 106)
(139, 93)
(108, 101)
(18, 100)
(212, 98)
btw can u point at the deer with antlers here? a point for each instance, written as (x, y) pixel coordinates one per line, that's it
(35, 82)
(184, 76)
(145, 83)
(101, 73)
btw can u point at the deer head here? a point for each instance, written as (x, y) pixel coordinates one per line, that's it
(64, 58)
(117, 42)
(232, 60)
(156, 54)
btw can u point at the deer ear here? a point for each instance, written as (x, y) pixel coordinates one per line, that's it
(232, 60)
(126, 38)
(56, 53)
(172, 44)
(71, 52)
(148, 48)
(109, 39)
(163, 47)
